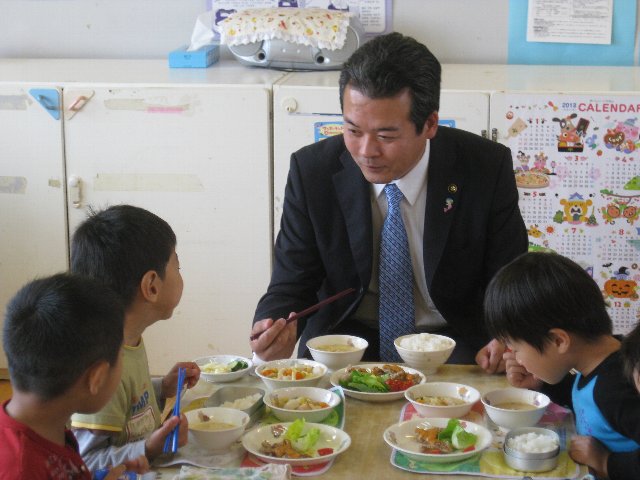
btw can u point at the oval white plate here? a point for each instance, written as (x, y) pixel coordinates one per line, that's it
(401, 436)
(373, 397)
(330, 437)
(223, 359)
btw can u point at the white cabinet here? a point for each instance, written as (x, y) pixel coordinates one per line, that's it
(33, 229)
(192, 146)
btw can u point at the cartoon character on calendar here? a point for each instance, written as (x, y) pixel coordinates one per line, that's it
(571, 135)
(621, 285)
(623, 137)
(575, 210)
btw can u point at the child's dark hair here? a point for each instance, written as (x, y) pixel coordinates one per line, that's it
(630, 351)
(56, 328)
(540, 291)
(119, 245)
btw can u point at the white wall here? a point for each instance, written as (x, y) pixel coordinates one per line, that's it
(457, 31)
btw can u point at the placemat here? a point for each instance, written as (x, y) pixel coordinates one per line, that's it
(490, 463)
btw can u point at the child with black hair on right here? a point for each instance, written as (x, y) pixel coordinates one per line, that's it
(63, 340)
(552, 316)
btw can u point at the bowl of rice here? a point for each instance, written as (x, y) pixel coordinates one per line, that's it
(532, 449)
(424, 351)
(247, 399)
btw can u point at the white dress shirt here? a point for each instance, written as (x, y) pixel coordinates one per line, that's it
(414, 188)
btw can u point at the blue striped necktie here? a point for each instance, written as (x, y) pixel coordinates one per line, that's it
(397, 311)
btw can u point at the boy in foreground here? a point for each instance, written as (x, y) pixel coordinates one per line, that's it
(552, 316)
(63, 339)
(132, 251)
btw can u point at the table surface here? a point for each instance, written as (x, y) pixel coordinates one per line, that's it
(368, 456)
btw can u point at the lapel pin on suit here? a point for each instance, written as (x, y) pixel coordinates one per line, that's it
(448, 203)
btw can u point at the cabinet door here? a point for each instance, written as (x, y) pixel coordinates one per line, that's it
(199, 158)
(33, 240)
(465, 110)
(304, 114)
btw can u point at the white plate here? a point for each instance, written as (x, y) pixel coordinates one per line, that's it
(330, 437)
(401, 437)
(373, 397)
(223, 359)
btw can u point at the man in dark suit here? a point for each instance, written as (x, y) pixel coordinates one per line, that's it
(459, 206)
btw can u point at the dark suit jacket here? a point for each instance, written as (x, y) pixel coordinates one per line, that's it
(325, 240)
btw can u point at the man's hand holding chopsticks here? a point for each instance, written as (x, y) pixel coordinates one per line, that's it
(275, 339)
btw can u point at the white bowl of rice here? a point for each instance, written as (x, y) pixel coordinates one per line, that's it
(424, 351)
(532, 449)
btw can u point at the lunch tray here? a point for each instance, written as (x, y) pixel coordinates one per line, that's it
(490, 463)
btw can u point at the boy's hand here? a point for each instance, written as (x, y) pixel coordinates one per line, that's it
(590, 452)
(155, 442)
(115, 473)
(139, 465)
(517, 375)
(490, 357)
(170, 380)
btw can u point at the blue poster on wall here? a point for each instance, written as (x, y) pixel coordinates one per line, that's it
(620, 52)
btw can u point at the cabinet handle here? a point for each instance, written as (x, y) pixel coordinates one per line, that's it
(78, 103)
(290, 105)
(75, 191)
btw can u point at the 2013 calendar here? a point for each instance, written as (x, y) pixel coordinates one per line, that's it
(576, 160)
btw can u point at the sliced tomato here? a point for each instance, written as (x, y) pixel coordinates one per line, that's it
(432, 451)
(325, 451)
(469, 448)
(396, 385)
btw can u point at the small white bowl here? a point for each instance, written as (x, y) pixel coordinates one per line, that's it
(312, 393)
(216, 439)
(318, 370)
(465, 393)
(495, 402)
(427, 361)
(223, 360)
(337, 360)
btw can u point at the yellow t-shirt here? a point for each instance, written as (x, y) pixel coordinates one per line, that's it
(133, 412)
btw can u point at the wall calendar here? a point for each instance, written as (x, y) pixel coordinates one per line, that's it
(577, 167)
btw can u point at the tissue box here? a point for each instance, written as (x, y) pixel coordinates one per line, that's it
(200, 58)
